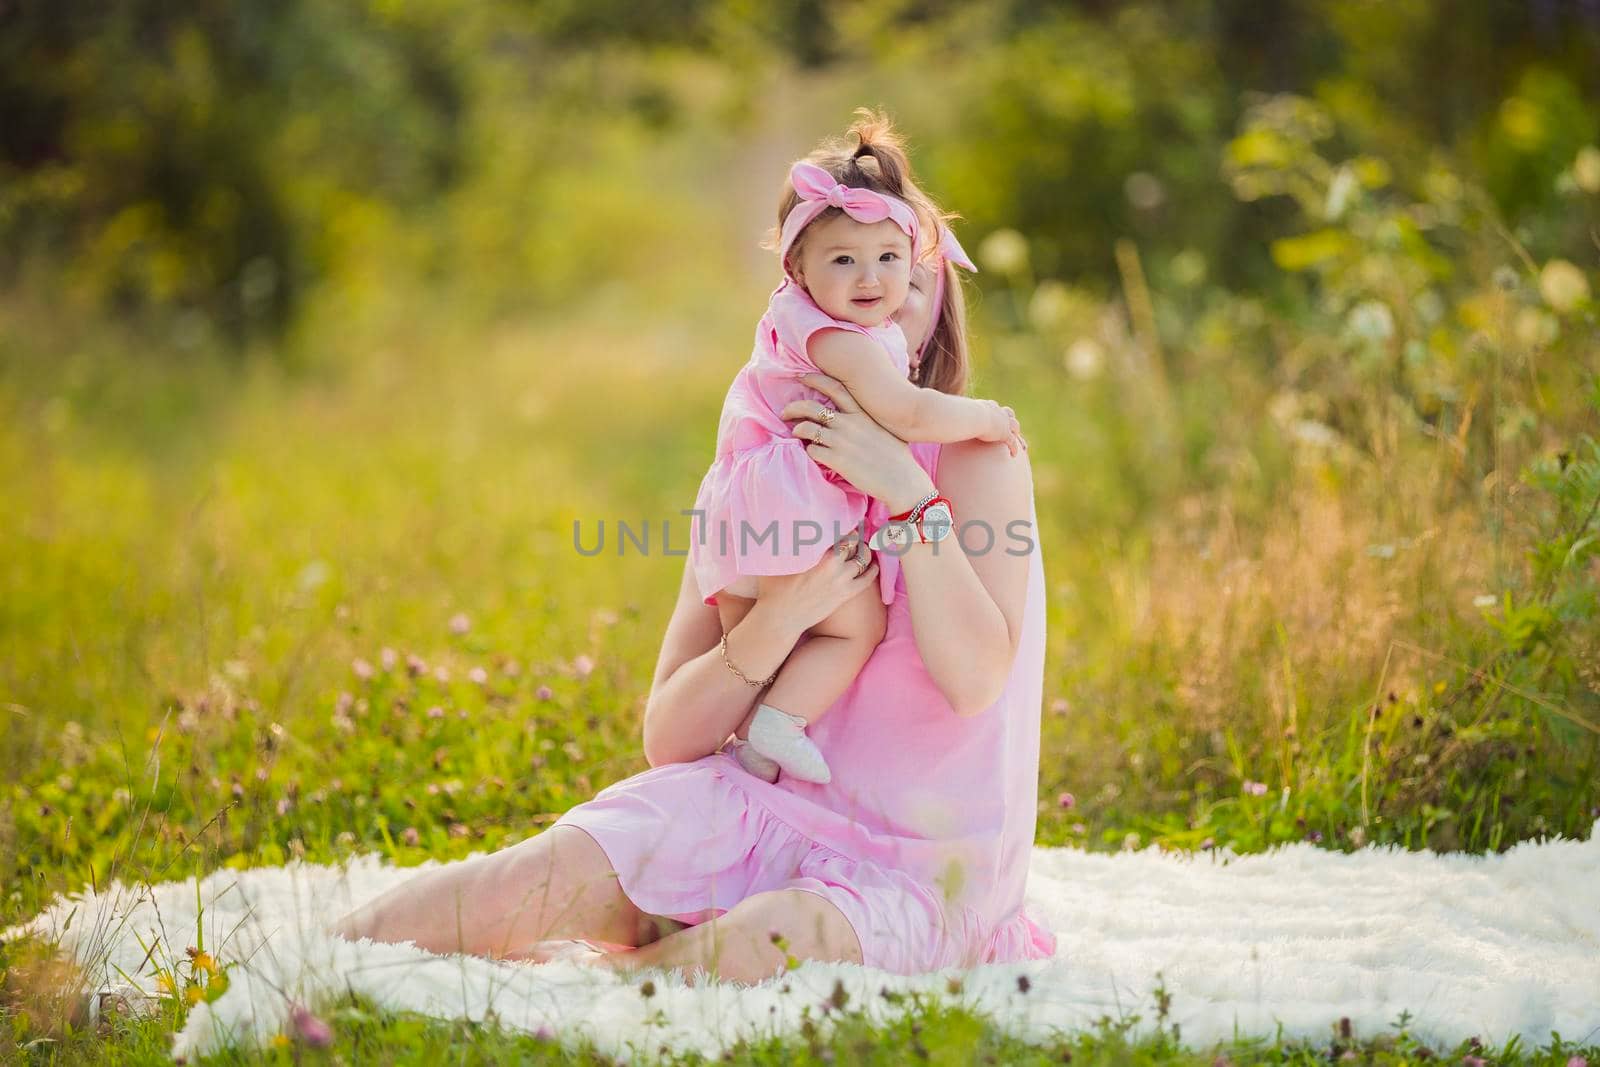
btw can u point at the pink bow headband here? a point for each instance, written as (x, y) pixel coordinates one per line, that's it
(819, 191)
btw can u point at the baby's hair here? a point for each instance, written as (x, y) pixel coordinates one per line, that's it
(878, 161)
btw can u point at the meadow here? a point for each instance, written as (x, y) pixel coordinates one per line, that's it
(1323, 559)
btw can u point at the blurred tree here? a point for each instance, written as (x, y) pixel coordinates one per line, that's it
(1082, 123)
(188, 157)
(218, 160)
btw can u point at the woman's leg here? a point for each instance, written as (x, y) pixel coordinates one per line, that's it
(555, 884)
(738, 946)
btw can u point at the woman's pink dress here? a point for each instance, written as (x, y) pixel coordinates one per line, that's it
(765, 506)
(922, 838)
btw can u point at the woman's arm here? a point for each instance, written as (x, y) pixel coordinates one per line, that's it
(967, 592)
(695, 701)
(966, 608)
(910, 412)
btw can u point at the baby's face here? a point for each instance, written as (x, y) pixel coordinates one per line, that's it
(856, 271)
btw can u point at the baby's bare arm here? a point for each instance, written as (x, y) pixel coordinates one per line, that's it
(908, 411)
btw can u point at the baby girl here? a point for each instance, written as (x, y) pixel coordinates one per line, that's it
(852, 228)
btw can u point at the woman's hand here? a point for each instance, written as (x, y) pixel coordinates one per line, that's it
(820, 590)
(850, 443)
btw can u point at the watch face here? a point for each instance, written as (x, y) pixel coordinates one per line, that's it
(937, 522)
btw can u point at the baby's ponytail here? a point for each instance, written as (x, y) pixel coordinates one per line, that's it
(876, 140)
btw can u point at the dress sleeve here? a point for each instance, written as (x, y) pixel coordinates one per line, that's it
(795, 317)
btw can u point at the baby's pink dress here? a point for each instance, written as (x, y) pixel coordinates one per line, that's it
(922, 838)
(765, 506)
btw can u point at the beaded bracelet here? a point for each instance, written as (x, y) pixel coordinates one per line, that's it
(740, 674)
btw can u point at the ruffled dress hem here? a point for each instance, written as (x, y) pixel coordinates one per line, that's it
(770, 509)
(670, 866)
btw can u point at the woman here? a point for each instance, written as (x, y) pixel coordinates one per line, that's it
(913, 858)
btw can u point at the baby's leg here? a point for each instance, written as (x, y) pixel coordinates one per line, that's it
(810, 680)
(819, 671)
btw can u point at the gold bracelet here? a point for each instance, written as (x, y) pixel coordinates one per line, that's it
(740, 674)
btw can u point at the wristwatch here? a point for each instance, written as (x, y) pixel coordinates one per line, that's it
(933, 519)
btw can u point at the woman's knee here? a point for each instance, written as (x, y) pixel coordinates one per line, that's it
(575, 886)
(546, 886)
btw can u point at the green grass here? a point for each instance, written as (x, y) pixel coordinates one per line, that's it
(933, 1030)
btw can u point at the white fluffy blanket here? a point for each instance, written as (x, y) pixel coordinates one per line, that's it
(1489, 946)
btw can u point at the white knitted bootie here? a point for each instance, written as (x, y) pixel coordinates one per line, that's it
(781, 737)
